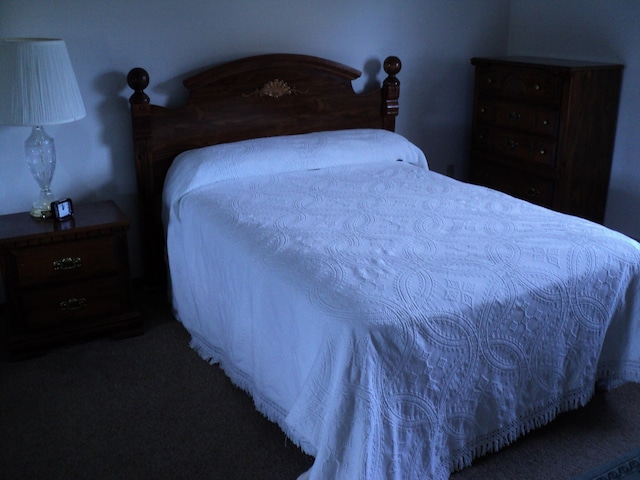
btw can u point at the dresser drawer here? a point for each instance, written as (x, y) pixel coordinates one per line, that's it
(515, 183)
(539, 121)
(521, 147)
(529, 84)
(517, 116)
(72, 302)
(66, 261)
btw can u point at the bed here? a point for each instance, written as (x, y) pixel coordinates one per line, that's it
(394, 322)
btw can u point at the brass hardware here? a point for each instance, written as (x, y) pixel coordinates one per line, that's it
(542, 151)
(537, 87)
(514, 116)
(545, 122)
(510, 143)
(73, 304)
(489, 80)
(275, 89)
(533, 192)
(68, 263)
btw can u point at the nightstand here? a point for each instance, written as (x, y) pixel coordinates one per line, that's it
(66, 281)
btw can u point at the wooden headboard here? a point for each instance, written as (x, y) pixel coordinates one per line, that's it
(259, 96)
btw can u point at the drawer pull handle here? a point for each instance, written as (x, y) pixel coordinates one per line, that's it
(511, 144)
(514, 116)
(545, 122)
(537, 87)
(68, 263)
(73, 304)
(489, 80)
(533, 192)
(542, 151)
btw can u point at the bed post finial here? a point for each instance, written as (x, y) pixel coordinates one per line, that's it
(391, 92)
(138, 80)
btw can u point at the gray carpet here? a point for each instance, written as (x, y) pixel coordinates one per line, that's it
(149, 408)
(623, 468)
(575, 443)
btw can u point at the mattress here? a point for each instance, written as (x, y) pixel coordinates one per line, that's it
(394, 322)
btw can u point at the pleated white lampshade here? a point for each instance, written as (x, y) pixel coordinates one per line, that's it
(37, 83)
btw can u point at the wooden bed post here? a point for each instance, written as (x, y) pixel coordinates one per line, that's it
(390, 93)
(152, 249)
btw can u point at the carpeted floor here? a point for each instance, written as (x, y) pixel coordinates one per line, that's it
(575, 443)
(149, 408)
(626, 467)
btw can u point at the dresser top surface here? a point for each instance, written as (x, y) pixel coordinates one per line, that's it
(86, 217)
(542, 61)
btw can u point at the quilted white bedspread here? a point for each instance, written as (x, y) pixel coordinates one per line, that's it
(394, 322)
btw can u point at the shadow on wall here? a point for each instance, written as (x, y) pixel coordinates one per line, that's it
(372, 68)
(115, 121)
(114, 116)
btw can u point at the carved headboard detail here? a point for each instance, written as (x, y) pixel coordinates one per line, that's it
(275, 88)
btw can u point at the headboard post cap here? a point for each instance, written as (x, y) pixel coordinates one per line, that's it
(392, 66)
(390, 92)
(138, 80)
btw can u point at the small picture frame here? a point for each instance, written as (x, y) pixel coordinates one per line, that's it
(62, 209)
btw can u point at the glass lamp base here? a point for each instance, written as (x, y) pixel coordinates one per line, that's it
(41, 159)
(40, 213)
(42, 207)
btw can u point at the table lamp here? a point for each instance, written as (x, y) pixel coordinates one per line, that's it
(38, 87)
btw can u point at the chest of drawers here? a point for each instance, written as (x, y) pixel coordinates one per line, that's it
(543, 130)
(66, 280)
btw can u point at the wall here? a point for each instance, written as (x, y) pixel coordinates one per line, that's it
(603, 31)
(434, 39)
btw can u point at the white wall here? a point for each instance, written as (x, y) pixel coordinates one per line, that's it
(603, 31)
(434, 39)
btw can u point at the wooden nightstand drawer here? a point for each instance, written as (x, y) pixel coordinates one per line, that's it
(73, 302)
(66, 261)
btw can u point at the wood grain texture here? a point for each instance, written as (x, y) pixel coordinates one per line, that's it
(544, 130)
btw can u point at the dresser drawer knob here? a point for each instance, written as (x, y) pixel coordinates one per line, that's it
(510, 143)
(533, 192)
(68, 263)
(73, 304)
(514, 116)
(537, 87)
(542, 151)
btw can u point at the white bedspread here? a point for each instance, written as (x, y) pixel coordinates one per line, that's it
(394, 322)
